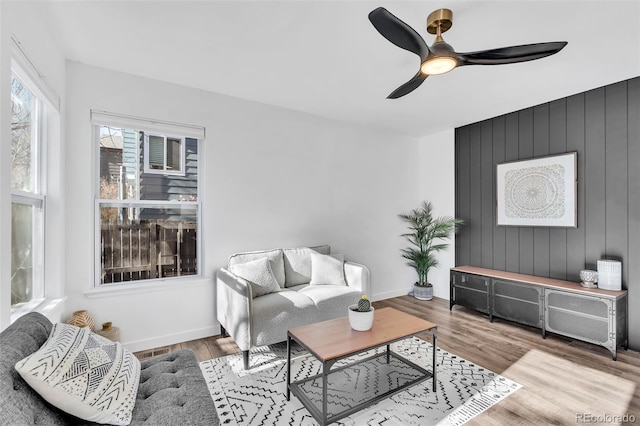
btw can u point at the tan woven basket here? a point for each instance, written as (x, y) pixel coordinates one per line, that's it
(81, 319)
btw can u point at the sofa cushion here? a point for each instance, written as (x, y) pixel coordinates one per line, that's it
(84, 374)
(274, 256)
(259, 275)
(275, 313)
(297, 264)
(326, 269)
(332, 301)
(173, 391)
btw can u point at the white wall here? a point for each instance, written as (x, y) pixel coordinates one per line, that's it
(437, 184)
(27, 24)
(272, 178)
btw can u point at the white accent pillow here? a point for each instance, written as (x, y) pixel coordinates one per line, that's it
(84, 374)
(259, 275)
(326, 269)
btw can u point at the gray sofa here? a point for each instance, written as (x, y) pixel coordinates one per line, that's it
(264, 320)
(172, 389)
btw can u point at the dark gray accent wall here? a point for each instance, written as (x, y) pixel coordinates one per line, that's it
(603, 127)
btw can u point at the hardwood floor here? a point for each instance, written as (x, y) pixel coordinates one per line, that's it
(564, 381)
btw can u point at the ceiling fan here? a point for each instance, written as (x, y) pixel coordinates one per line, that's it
(440, 57)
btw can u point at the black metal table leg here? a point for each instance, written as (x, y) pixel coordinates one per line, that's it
(288, 364)
(434, 365)
(325, 373)
(388, 353)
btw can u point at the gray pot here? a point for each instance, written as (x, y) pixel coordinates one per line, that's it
(423, 293)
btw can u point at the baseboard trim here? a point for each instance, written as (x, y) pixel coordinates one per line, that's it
(391, 294)
(171, 339)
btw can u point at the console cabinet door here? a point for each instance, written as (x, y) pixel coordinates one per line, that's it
(471, 291)
(575, 315)
(518, 302)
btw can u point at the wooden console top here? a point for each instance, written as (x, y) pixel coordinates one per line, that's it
(542, 281)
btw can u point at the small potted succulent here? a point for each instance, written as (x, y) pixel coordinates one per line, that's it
(425, 231)
(361, 314)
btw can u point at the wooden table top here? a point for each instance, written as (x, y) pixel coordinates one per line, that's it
(333, 339)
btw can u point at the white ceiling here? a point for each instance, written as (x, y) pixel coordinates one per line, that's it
(325, 57)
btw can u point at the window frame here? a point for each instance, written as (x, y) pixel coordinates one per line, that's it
(37, 197)
(152, 127)
(164, 171)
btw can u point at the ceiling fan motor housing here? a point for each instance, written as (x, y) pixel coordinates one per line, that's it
(442, 18)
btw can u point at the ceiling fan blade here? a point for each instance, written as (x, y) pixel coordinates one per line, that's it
(409, 86)
(398, 32)
(510, 55)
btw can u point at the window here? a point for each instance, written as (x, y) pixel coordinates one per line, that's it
(27, 195)
(147, 204)
(164, 154)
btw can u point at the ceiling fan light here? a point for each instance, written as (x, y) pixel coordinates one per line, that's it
(438, 65)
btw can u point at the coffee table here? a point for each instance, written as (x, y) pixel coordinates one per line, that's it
(334, 340)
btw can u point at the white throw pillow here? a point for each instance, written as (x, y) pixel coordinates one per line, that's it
(259, 275)
(84, 374)
(326, 269)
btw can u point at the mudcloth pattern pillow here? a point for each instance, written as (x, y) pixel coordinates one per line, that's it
(84, 374)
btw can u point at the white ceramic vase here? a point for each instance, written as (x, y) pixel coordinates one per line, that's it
(360, 321)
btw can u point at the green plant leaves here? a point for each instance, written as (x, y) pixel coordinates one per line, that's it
(425, 230)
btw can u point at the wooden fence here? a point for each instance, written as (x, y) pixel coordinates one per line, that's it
(147, 249)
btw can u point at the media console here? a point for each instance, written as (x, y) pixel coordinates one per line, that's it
(563, 307)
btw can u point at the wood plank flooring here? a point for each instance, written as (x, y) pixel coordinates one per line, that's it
(562, 379)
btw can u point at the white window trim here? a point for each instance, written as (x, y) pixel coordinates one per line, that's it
(26, 68)
(183, 151)
(111, 119)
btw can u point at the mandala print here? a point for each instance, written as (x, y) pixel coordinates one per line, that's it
(535, 192)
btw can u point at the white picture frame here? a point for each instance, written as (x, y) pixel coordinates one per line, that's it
(537, 192)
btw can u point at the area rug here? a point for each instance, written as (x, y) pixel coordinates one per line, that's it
(257, 396)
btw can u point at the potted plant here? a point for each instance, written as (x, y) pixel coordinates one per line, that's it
(425, 232)
(361, 314)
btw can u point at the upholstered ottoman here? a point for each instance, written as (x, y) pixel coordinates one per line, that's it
(172, 390)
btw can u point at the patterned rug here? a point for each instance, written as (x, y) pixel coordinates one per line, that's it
(257, 396)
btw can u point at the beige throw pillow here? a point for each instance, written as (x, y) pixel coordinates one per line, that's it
(259, 275)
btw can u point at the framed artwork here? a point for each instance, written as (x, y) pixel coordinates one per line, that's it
(537, 192)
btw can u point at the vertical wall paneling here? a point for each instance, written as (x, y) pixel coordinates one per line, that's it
(512, 233)
(499, 232)
(576, 256)
(633, 188)
(558, 145)
(603, 127)
(595, 175)
(487, 171)
(541, 149)
(475, 194)
(525, 151)
(616, 173)
(462, 197)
